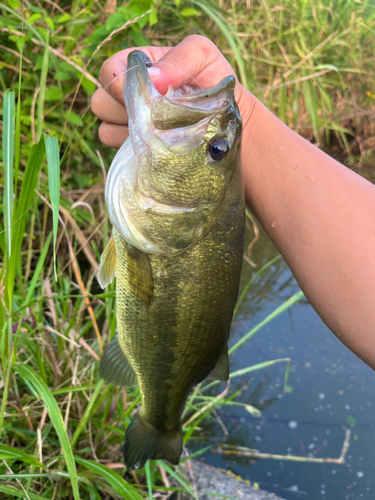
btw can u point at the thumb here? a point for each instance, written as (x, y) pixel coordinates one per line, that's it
(195, 61)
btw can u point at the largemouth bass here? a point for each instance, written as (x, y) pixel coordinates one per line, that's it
(175, 199)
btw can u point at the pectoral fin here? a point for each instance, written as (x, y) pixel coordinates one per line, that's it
(115, 367)
(140, 275)
(221, 370)
(107, 267)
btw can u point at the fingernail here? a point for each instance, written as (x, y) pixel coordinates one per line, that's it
(154, 71)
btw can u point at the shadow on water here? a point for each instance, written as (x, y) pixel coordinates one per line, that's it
(331, 389)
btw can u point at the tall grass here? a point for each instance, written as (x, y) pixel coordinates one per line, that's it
(61, 428)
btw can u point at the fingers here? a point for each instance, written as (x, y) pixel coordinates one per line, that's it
(113, 135)
(107, 109)
(195, 61)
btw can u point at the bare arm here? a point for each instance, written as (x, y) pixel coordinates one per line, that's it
(319, 214)
(321, 217)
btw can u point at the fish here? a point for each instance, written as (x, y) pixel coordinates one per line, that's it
(175, 199)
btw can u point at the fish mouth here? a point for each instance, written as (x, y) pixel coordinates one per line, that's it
(176, 109)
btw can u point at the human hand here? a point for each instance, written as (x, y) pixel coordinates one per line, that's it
(196, 60)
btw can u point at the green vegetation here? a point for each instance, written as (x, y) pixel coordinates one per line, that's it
(61, 428)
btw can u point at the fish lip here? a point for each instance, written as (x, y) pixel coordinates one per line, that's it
(227, 83)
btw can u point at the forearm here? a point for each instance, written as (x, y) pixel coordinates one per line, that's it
(321, 217)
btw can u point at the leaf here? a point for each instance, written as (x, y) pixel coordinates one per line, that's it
(14, 4)
(10, 453)
(115, 21)
(63, 18)
(53, 93)
(88, 85)
(53, 161)
(153, 18)
(34, 17)
(188, 12)
(38, 387)
(49, 23)
(138, 38)
(114, 479)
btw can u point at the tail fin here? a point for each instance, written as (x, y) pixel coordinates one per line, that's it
(143, 442)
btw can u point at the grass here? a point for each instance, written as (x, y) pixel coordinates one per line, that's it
(61, 428)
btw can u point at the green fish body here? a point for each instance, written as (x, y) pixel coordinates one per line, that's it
(176, 201)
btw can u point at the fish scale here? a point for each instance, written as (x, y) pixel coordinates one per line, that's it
(178, 214)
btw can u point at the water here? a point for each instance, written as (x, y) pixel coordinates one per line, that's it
(331, 389)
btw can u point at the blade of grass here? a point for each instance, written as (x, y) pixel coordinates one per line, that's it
(24, 203)
(15, 492)
(18, 117)
(41, 391)
(38, 270)
(175, 476)
(8, 159)
(8, 204)
(53, 162)
(149, 479)
(261, 366)
(42, 89)
(86, 415)
(244, 291)
(10, 453)
(288, 303)
(231, 38)
(114, 479)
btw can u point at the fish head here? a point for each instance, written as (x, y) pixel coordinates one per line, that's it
(168, 181)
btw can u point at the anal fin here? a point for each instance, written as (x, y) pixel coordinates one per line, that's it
(115, 367)
(221, 370)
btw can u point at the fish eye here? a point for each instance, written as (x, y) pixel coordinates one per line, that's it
(218, 149)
